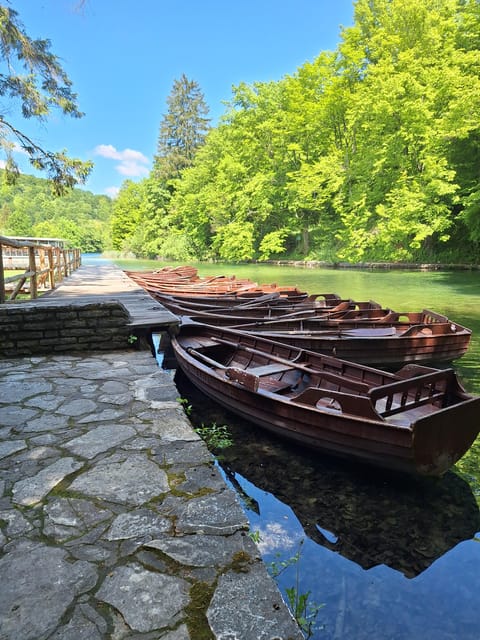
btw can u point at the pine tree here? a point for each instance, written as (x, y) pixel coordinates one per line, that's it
(183, 129)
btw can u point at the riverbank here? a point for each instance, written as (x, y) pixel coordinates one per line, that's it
(408, 266)
(316, 264)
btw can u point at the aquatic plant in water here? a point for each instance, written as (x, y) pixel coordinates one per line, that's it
(303, 609)
(215, 436)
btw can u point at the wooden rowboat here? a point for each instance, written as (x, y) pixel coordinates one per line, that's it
(419, 420)
(390, 340)
(267, 306)
(186, 282)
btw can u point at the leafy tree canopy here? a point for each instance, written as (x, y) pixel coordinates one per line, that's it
(79, 216)
(32, 77)
(370, 152)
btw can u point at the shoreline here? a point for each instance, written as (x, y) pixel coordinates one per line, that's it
(323, 264)
(407, 266)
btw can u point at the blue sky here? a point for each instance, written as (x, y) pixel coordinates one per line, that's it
(124, 55)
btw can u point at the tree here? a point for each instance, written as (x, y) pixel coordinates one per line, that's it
(44, 85)
(127, 214)
(414, 100)
(182, 130)
(370, 152)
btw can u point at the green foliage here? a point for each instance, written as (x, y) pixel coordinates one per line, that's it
(127, 214)
(234, 242)
(78, 216)
(303, 609)
(273, 243)
(370, 152)
(216, 436)
(187, 407)
(172, 246)
(37, 82)
(255, 536)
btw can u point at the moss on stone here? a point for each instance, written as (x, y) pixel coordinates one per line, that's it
(196, 611)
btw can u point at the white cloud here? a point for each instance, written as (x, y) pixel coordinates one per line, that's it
(16, 148)
(131, 163)
(274, 536)
(112, 191)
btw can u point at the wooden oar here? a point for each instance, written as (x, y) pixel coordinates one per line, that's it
(201, 356)
(327, 375)
(348, 333)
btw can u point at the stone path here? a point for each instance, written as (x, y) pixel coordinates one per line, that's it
(115, 522)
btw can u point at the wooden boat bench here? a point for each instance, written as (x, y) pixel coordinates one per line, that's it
(412, 393)
(270, 369)
(200, 344)
(250, 379)
(273, 385)
(253, 382)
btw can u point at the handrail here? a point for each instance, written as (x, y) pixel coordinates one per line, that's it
(61, 263)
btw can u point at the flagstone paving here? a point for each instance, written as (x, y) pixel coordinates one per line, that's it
(115, 523)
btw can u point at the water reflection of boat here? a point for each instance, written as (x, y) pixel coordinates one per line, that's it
(370, 519)
(404, 525)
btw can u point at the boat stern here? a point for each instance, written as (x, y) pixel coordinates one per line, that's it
(441, 439)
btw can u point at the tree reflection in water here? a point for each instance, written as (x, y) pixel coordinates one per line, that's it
(389, 555)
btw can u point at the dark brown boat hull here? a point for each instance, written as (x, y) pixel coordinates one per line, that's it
(389, 351)
(373, 343)
(373, 441)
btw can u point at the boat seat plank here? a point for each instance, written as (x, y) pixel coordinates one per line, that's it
(254, 382)
(269, 369)
(203, 343)
(273, 384)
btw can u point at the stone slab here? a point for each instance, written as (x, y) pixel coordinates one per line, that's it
(114, 518)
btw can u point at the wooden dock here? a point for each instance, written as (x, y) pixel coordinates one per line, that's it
(96, 308)
(107, 282)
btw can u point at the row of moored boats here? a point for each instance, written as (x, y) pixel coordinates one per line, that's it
(302, 365)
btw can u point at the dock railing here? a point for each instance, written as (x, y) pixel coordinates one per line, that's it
(47, 265)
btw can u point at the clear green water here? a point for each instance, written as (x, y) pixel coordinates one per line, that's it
(389, 558)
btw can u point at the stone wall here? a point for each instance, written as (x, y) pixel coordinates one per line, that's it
(56, 326)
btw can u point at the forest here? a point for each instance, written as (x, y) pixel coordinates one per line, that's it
(370, 152)
(28, 208)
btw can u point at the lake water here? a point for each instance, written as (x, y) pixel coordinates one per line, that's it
(387, 557)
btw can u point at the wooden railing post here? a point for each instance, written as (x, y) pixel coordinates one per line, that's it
(58, 254)
(51, 268)
(65, 262)
(2, 277)
(37, 274)
(32, 267)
